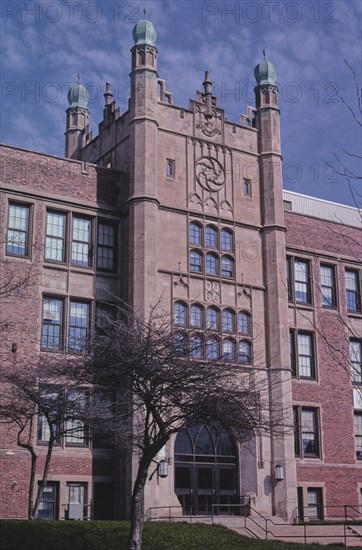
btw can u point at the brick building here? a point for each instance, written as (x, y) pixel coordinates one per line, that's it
(182, 205)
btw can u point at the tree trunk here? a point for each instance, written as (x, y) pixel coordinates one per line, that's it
(31, 483)
(138, 505)
(45, 476)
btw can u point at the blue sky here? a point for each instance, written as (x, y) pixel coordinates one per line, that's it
(46, 43)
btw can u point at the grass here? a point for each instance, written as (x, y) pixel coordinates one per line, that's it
(112, 535)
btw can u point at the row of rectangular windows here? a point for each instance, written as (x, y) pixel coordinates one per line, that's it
(307, 434)
(227, 320)
(300, 285)
(56, 236)
(303, 357)
(79, 322)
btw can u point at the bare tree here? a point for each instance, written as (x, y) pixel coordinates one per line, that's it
(168, 380)
(41, 402)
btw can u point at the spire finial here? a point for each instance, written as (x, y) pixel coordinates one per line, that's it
(145, 12)
(264, 54)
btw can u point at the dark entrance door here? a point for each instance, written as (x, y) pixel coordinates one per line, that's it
(206, 471)
(103, 501)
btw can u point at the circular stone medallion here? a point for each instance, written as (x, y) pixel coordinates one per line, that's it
(210, 174)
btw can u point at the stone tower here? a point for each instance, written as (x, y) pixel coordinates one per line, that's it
(77, 126)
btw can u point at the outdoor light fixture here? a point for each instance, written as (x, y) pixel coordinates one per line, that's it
(279, 472)
(163, 468)
(14, 347)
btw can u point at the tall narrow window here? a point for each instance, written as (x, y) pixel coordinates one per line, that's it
(301, 281)
(48, 507)
(228, 348)
(196, 346)
(310, 432)
(306, 432)
(244, 323)
(228, 320)
(55, 237)
(305, 355)
(211, 236)
(77, 493)
(195, 261)
(17, 242)
(355, 357)
(244, 351)
(78, 325)
(212, 318)
(315, 503)
(353, 298)
(170, 168)
(211, 264)
(227, 267)
(195, 233)
(196, 316)
(75, 426)
(358, 434)
(106, 246)
(328, 286)
(81, 241)
(179, 314)
(212, 348)
(226, 239)
(247, 188)
(52, 332)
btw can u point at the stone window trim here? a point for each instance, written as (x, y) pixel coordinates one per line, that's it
(328, 285)
(216, 247)
(307, 432)
(247, 187)
(170, 168)
(299, 280)
(303, 359)
(353, 290)
(19, 229)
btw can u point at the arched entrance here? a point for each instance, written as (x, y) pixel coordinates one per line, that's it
(206, 470)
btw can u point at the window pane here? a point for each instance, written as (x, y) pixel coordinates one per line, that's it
(212, 348)
(229, 349)
(226, 240)
(228, 321)
(106, 247)
(327, 285)
(52, 323)
(81, 241)
(195, 261)
(195, 233)
(244, 352)
(17, 236)
(196, 316)
(196, 346)
(179, 314)
(355, 356)
(210, 236)
(212, 318)
(352, 290)
(78, 325)
(244, 322)
(211, 264)
(227, 267)
(309, 425)
(305, 354)
(301, 281)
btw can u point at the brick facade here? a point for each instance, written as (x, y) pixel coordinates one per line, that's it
(152, 172)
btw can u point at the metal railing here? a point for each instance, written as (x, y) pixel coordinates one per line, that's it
(351, 516)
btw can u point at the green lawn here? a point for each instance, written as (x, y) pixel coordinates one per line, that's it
(108, 535)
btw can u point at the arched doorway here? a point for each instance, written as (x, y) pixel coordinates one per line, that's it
(206, 470)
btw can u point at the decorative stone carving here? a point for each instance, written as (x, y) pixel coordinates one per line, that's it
(210, 174)
(212, 292)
